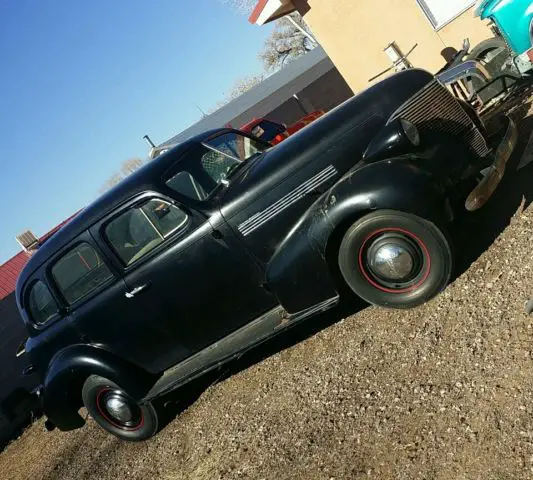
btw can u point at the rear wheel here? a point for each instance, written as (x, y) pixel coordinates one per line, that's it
(395, 259)
(117, 412)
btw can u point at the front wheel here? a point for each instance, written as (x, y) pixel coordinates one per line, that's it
(117, 412)
(395, 259)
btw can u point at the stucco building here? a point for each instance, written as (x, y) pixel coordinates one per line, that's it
(354, 33)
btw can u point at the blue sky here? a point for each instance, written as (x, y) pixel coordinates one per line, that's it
(82, 82)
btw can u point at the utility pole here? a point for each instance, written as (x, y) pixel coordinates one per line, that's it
(201, 111)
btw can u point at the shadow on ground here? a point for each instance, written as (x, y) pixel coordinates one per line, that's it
(473, 234)
(177, 402)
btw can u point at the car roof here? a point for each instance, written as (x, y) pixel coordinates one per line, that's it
(144, 179)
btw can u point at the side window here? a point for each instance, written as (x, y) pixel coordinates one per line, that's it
(142, 228)
(41, 304)
(184, 183)
(217, 165)
(80, 272)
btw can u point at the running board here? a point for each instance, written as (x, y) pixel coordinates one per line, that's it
(266, 326)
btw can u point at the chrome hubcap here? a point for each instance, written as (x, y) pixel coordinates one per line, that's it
(119, 409)
(392, 261)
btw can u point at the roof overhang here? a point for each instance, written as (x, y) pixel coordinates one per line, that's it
(268, 10)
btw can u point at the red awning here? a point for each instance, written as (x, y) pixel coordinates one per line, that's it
(267, 10)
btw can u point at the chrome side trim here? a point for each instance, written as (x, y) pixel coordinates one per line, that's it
(262, 217)
(464, 70)
(233, 345)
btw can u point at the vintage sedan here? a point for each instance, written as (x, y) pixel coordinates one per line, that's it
(224, 241)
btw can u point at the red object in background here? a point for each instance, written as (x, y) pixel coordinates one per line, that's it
(275, 133)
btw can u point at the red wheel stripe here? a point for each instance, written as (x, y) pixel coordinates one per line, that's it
(381, 287)
(133, 429)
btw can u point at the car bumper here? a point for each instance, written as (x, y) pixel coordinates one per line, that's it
(487, 186)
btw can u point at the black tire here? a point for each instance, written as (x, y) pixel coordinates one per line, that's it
(98, 391)
(495, 66)
(427, 247)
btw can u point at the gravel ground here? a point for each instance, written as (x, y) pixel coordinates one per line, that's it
(439, 392)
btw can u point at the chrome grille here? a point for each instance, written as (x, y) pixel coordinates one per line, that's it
(435, 109)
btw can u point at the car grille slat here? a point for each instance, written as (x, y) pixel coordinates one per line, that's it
(435, 109)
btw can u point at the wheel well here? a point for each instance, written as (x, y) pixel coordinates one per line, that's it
(75, 385)
(334, 243)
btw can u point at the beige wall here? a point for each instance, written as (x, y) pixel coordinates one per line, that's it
(355, 32)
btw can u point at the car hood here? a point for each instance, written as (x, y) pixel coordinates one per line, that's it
(338, 138)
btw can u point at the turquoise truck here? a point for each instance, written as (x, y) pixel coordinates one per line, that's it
(499, 64)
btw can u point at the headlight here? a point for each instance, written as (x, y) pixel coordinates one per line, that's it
(411, 132)
(399, 137)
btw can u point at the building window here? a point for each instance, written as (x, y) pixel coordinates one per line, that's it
(441, 12)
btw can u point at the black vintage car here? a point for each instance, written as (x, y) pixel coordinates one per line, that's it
(225, 241)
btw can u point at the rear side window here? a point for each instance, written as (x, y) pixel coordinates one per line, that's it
(142, 228)
(41, 305)
(80, 272)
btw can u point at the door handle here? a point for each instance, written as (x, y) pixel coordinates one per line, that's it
(21, 349)
(136, 291)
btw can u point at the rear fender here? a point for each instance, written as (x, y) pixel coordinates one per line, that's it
(299, 273)
(69, 369)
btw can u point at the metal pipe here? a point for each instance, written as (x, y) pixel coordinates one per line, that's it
(301, 30)
(148, 139)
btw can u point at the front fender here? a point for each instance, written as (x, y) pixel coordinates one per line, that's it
(69, 369)
(299, 274)
(403, 183)
(514, 20)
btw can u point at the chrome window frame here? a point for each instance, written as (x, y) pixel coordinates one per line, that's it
(52, 280)
(138, 205)
(26, 296)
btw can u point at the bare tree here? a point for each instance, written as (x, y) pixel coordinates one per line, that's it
(290, 38)
(243, 7)
(242, 85)
(127, 168)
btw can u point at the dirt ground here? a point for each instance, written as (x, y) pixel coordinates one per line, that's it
(443, 391)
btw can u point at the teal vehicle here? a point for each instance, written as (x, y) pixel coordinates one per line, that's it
(512, 21)
(497, 65)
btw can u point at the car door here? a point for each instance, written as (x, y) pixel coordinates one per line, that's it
(92, 293)
(197, 282)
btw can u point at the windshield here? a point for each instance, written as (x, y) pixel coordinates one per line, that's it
(212, 163)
